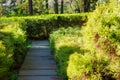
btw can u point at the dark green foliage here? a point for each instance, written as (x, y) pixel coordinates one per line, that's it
(40, 27)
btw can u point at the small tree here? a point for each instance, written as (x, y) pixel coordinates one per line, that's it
(56, 6)
(47, 6)
(30, 5)
(62, 6)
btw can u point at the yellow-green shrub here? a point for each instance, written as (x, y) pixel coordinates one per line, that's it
(12, 49)
(88, 66)
(39, 27)
(63, 43)
(99, 56)
(102, 36)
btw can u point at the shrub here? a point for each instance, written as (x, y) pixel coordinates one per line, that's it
(39, 27)
(88, 66)
(97, 55)
(12, 49)
(101, 36)
(63, 43)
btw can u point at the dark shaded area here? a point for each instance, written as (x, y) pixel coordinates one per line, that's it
(30, 5)
(39, 29)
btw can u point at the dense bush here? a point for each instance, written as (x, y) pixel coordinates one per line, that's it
(12, 49)
(63, 43)
(101, 37)
(39, 27)
(97, 55)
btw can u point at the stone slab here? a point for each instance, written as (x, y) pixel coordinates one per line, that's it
(38, 52)
(39, 64)
(40, 43)
(39, 78)
(37, 72)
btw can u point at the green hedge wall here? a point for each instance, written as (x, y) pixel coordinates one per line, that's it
(12, 50)
(39, 27)
(63, 43)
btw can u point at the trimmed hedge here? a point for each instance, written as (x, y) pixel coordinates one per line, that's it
(12, 50)
(63, 43)
(39, 27)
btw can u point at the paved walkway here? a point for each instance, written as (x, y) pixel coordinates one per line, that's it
(39, 63)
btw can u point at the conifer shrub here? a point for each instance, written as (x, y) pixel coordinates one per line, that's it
(39, 27)
(12, 50)
(97, 55)
(101, 37)
(63, 43)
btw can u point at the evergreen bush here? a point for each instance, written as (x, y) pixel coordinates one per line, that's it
(101, 38)
(12, 49)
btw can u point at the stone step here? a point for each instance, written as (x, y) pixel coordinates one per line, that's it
(39, 58)
(39, 64)
(37, 52)
(39, 68)
(37, 73)
(39, 78)
(24, 67)
(41, 47)
(40, 43)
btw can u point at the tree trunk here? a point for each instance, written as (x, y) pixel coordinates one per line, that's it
(81, 5)
(70, 2)
(47, 6)
(30, 7)
(62, 6)
(86, 5)
(56, 6)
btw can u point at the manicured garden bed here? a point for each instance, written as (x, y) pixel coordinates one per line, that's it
(16, 31)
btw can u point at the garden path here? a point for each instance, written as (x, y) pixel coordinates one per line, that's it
(39, 63)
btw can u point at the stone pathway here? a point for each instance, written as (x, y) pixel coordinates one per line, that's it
(39, 63)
